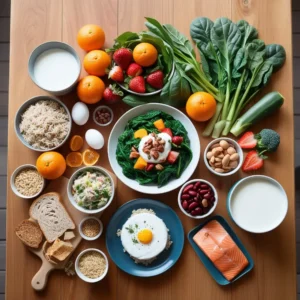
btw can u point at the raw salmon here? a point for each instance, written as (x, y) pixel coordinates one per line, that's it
(217, 244)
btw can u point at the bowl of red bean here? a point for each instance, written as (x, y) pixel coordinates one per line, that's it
(103, 115)
(197, 198)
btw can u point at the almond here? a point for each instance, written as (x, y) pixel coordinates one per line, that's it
(159, 167)
(226, 160)
(231, 150)
(134, 155)
(234, 156)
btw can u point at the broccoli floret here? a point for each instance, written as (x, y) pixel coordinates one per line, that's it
(268, 140)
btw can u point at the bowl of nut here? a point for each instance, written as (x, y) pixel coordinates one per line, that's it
(197, 198)
(223, 156)
(103, 115)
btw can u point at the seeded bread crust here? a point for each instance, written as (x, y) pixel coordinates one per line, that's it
(29, 233)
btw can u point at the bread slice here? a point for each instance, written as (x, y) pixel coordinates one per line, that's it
(29, 233)
(69, 235)
(60, 250)
(51, 215)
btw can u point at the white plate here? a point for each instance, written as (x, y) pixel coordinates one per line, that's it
(119, 129)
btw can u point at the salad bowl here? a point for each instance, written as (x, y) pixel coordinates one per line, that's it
(153, 188)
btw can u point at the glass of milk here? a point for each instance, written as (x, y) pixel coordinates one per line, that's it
(54, 67)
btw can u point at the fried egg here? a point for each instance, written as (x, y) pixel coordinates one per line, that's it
(144, 236)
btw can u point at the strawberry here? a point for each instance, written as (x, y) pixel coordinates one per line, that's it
(253, 161)
(137, 84)
(172, 157)
(177, 140)
(116, 74)
(149, 167)
(168, 131)
(156, 79)
(112, 94)
(134, 70)
(123, 57)
(247, 141)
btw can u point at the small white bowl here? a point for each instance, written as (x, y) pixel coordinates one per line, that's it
(237, 148)
(82, 276)
(86, 237)
(210, 211)
(105, 107)
(12, 181)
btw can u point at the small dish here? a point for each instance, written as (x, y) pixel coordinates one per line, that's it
(110, 112)
(85, 237)
(12, 181)
(237, 148)
(210, 210)
(81, 275)
(214, 272)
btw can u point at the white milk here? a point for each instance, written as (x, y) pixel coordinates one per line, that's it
(258, 205)
(55, 69)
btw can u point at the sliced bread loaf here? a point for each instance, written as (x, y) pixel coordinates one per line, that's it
(51, 215)
(29, 233)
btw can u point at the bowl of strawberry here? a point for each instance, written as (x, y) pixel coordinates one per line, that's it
(197, 198)
(140, 70)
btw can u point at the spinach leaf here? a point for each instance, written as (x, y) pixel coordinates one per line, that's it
(249, 32)
(275, 54)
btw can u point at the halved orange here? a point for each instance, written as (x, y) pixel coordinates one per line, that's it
(90, 157)
(74, 159)
(76, 143)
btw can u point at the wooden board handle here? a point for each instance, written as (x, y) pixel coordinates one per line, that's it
(39, 280)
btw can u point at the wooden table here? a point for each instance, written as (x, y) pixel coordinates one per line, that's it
(274, 276)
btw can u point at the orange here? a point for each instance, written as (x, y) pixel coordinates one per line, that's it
(96, 62)
(51, 165)
(74, 159)
(90, 89)
(76, 142)
(90, 157)
(145, 54)
(90, 37)
(201, 106)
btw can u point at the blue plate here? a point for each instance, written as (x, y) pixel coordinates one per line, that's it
(214, 272)
(166, 259)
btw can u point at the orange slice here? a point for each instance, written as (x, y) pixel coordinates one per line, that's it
(74, 159)
(90, 157)
(76, 143)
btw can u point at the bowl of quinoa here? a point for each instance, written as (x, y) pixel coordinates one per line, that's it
(90, 228)
(91, 265)
(26, 182)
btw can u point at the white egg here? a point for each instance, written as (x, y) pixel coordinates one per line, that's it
(94, 139)
(80, 113)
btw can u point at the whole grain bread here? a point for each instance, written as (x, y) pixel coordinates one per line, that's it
(29, 233)
(51, 215)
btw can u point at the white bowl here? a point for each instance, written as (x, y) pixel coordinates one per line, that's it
(237, 148)
(210, 211)
(12, 181)
(70, 195)
(111, 113)
(118, 129)
(85, 278)
(86, 237)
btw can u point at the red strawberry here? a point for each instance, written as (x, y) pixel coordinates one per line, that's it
(137, 84)
(112, 94)
(168, 131)
(172, 157)
(123, 57)
(253, 161)
(116, 74)
(149, 167)
(156, 79)
(177, 140)
(247, 141)
(134, 70)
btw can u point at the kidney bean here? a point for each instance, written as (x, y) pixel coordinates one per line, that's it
(185, 196)
(185, 205)
(203, 192)
(197, 184)
(207, 196)
(193, 213)
(204, 186)
(193, 205)
(190, 201)
(192, 193)
(213, 199)
(187, 188)
(195, 199)
(198, 211)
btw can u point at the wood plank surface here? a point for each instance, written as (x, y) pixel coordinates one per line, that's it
(274, 275)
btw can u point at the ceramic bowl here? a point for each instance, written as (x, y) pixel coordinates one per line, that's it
(70, 194)
(110, 111)
(13, 186)
(212, 208)
(118, 129)
(23, 108)
(81, 275)
(237, 148)
(86, 237)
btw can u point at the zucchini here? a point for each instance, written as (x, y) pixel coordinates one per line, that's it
(263, 108)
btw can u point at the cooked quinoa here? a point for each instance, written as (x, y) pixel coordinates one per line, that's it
(90, 228)
(92, 264)
(45, 124)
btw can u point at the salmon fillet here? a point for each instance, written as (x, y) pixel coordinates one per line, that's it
(219, 247)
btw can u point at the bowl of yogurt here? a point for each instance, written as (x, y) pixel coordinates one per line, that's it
(257, 203)
(54, 67)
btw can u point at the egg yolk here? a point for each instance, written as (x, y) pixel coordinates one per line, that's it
(145, 236)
